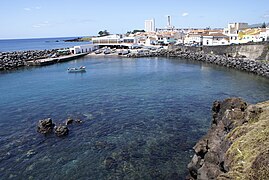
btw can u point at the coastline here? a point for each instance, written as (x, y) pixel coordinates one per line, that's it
(236, 145)
(13, 60)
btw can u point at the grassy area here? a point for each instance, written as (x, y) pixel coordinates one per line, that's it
(249, 153)
(86, 39)
(264, 61)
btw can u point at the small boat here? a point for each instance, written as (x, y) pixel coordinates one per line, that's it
(123, 52)
(98, 51)
(77, 69)
(107, 51)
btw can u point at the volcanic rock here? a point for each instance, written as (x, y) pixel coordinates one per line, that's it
(45, 126)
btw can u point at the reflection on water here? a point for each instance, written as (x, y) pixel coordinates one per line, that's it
(141, 117)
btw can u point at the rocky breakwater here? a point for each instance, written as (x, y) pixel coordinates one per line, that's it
(12, 60)
(243, 64)
(237, 144)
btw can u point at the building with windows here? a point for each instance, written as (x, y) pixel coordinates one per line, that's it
(85, 48)
(115, 41)
(215, 39)
(150, 25)
(233, 30)
(193, 39)
(169, 23)
(253, 35)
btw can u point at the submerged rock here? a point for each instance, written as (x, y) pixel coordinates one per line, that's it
(78, 121)
(61, 130)
(45, 126)
(69, 121)
(110, 163)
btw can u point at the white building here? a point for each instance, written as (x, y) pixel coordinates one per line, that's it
(86, 48)
(215, 39)
(264, 35)
(107, 39)
(193, 39)
(233, 30)
(150, 25)
(114, 39)
(150, 41)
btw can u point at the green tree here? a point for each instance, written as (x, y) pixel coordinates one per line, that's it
(137, 30)
(128, 33)
(263, 25)
(103, 33)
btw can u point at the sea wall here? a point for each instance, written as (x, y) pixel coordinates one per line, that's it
(237, 144)
(253, 51)
(195, 54)
(244, 64)
(12, 60)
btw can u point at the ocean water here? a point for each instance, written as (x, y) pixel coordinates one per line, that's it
(141, 117)
(9, 45)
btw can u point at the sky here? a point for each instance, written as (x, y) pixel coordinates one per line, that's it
(75, 18)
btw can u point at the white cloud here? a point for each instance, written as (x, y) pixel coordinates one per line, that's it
(185, 14)
(27, 9)
(266, 16)
(32, 8)
(43, 24)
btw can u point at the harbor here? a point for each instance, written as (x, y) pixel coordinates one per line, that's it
(48, 61)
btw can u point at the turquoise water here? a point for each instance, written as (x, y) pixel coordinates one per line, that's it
(141, 117)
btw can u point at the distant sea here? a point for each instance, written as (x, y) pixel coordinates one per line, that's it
(7, 45)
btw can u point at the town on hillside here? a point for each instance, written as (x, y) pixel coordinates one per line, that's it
(157, 38)
(234, 33)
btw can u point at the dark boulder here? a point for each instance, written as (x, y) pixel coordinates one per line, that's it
(69, 121)
(45, 126)
(61, 130)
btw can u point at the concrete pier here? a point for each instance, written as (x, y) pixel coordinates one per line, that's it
(48, 61)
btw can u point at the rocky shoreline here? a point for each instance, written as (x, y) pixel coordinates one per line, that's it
(243, 64)
(13, 60)
(237, 144)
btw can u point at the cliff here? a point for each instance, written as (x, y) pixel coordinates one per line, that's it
(237, 144)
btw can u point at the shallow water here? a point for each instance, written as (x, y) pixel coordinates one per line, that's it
(141, 117)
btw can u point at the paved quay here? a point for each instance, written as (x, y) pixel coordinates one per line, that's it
(48, 61)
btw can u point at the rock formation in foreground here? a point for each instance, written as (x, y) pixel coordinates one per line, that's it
(237, 144)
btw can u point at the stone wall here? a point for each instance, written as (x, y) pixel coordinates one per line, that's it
(253, 51)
